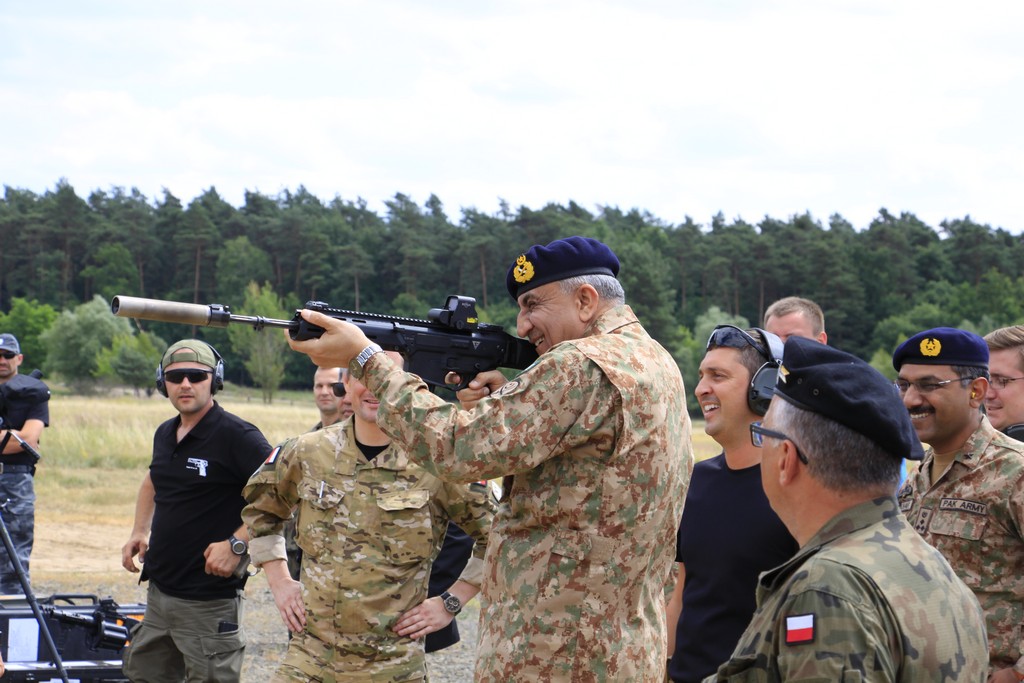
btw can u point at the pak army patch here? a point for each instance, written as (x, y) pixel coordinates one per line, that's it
(799, 629)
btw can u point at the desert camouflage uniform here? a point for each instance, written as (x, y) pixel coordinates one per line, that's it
(369, 532)
(597, 435)
(974, 515)
(883, 605)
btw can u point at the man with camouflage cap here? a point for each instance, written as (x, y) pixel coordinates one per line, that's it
(597, 437)
(967, 497)
(865, 598)
(369, 523)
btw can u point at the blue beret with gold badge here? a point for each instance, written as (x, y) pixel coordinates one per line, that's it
(942, 346)
(845, 389)
(559, 260)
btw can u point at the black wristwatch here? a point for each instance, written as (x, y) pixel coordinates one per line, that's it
(238, 546)
(451, 603)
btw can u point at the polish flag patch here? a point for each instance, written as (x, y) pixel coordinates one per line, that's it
(799, 629)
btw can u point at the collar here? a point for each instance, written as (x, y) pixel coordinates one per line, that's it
(972, 453)
(846, 522)
(611, 320)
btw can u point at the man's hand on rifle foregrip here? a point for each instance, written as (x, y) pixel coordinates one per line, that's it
(336, 347)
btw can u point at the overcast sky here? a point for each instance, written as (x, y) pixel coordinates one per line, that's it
(680, 108)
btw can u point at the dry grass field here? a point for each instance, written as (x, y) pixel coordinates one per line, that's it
(94, 457)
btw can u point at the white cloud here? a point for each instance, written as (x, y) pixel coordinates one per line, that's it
(680, 108)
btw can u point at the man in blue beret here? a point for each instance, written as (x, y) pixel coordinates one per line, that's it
(967, 497)
(865, 598)
(597, 437)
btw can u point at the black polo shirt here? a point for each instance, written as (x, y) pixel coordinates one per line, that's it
(198, 485)
(24, 398)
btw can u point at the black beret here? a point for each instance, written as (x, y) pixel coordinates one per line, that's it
(942, 346)
(843, 388)
(560, 260)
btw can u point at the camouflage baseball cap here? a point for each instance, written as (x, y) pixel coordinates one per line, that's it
(8, 342)
(190, 350)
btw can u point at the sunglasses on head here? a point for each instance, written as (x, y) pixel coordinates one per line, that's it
(8, 354)
(193, 376)
(733, 338)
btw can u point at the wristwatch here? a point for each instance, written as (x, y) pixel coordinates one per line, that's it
(452, 604)
(365, 354)
(238, 546)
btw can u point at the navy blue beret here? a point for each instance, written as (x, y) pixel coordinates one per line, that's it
(559, 260)
(843, 388)
(942, 346)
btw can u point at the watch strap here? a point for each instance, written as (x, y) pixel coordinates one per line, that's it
(366, 353)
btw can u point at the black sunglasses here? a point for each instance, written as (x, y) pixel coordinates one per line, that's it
(193, 376)
(9, 355)
(338, 389)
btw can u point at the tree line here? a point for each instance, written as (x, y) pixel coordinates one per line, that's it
(65, 255)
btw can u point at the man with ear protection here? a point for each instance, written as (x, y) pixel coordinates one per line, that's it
(188, 530)
(967, 497)
(728, 533)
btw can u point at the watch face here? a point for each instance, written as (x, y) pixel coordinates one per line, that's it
(452, 604)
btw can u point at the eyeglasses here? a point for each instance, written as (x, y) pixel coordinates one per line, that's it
(8, 354)
(757, 434)
(1002, 382)
(903, 386)
(193, 376)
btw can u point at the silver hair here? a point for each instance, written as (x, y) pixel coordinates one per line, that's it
(608, 288)
(838, 457)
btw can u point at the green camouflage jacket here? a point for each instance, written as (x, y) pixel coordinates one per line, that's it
(866, 599)
(598, 438)
(368, 532)
(974, 515)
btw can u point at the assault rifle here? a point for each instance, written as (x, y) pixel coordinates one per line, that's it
(452, 340)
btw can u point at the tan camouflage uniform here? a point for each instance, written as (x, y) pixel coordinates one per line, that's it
(369, 532)
(598, 438)
(974, 515)
(886, 606)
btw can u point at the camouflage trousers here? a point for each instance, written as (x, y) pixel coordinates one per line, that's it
(18, 489)
(353, 659)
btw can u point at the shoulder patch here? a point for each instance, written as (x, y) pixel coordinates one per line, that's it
(272, 458)
(799, 629)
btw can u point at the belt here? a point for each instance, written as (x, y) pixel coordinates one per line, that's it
(16, 469)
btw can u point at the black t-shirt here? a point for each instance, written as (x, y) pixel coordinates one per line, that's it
(23, 398)
(198, 485)
(728, 536)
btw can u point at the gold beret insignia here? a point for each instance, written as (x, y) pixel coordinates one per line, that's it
(930, 346)
(523, 271)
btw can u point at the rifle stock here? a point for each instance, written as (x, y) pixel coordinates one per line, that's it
(452, 340)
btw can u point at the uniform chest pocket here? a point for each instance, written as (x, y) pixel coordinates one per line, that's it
(406, 526)
(320, 494)
(958, 524)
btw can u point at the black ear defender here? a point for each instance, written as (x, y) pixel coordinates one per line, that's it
(218, 373)
(762, 384)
